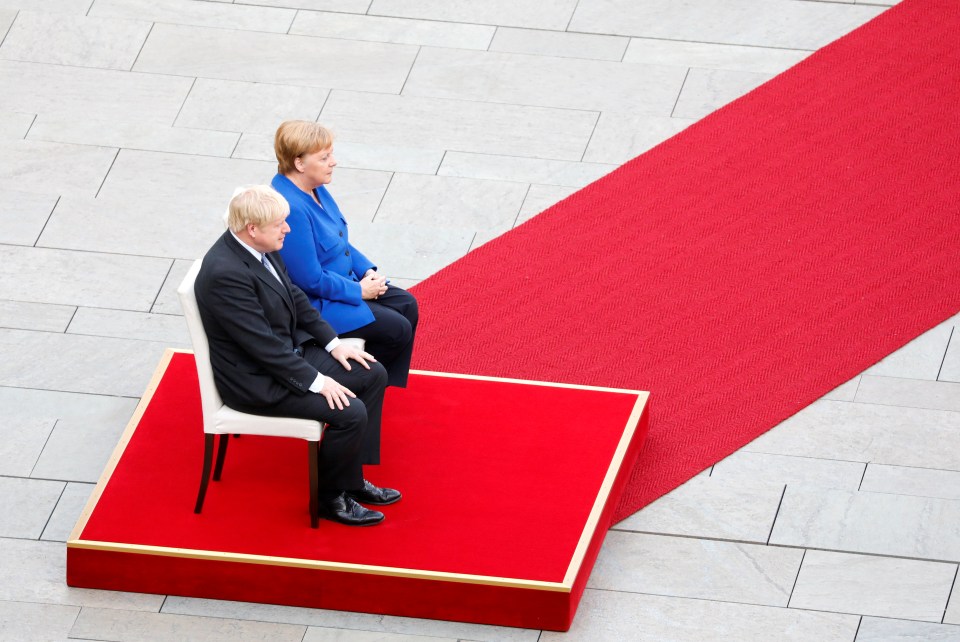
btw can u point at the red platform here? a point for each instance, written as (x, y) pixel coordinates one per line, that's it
(508, 491)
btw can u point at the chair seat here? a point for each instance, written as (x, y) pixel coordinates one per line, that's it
(233, 422)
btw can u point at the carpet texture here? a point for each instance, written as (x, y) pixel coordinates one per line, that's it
(743, 268)
(497, 512)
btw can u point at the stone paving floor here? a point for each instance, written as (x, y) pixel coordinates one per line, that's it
(126, 124)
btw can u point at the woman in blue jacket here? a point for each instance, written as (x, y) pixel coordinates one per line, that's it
(339, 280)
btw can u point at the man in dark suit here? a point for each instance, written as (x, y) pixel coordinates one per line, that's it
(272, 353)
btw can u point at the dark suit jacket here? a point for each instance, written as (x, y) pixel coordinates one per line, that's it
(253, 324)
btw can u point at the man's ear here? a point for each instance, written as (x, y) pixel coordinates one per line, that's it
(252, 230)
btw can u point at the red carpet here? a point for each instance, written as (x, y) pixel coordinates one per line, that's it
(490, 528)
(745, 267)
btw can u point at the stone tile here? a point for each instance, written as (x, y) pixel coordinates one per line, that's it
(359, 193)
(610, 616)
(276, 58)
(134, 135)
(875, 523)
(394, 30)
(234, 106)
(98, 94)
(386, 158)
(186, 193)
(25, 166)
(621, 136)
(14, 125)
(706, 90)
(712, 56)
(867, 432)
(446, 202)
(745, 467)
(185, 196)
(131, 626)
(882, 629)
(714, 508)
(6, 20)
(346, 6)
(920, 482)
(315, 634)
(485, 236)
(87, 429)
(23, 215)
(406, 284)
(763, 23)
(910, 393)
(67, 512)
(83, 412)
(541, 197)
(74, 363)
(845, 391)
(871, 585)
(21, 621)
(952, 616)
(123, 324)
(351, 623)
(167, 301)
(919, 359)
(704, 569)
(409, 251)
(201, 14)
(168, 177)
(466, 126)
(74, 40)
(63, 277)
(547, 14)
(21, 442)
(559, 43)
(522, 170)
(26, 505)
(58, 6)
(35, 572)
(950, 369)
(546, 81)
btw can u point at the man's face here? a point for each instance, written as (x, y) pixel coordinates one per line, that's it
(269, 236)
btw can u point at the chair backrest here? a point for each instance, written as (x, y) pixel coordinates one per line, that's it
(210, 399)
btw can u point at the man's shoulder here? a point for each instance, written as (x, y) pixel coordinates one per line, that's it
(219, 259)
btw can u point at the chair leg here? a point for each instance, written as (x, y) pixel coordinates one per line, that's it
(207, 465)
(314, 449)
(221, 455)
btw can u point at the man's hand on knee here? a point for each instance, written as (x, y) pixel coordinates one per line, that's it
(337, 396)
(343, 353)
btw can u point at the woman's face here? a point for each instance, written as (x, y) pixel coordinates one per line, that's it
(317, 167)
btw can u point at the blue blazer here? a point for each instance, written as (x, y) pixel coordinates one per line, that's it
(320, 259)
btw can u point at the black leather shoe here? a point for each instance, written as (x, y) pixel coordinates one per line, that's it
(371, 494)
(343, 509)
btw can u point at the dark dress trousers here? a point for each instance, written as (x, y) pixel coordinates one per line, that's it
(258, 327)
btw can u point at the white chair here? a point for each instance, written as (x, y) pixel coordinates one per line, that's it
(222, 420)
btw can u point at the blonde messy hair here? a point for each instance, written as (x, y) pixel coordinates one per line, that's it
(257, 204)
(295, 138)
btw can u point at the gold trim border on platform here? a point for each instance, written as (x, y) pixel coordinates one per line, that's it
(565, 586)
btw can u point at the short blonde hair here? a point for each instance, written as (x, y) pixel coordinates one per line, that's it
(295, 138)
(257, 204)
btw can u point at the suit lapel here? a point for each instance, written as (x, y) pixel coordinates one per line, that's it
(259, 271)
(328, 206)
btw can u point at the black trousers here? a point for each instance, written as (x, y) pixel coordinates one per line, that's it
(352, 437)
(390, 335)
